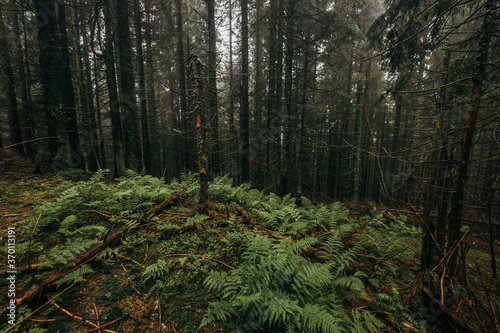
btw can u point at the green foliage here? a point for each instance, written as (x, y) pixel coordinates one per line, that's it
(75, 275)
(195, 220)
(276, 290)
(275, 286)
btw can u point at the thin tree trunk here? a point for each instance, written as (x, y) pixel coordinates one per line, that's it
(288, 120)
(213, 114)
(279, 92)
(358, 132)
(146, 143)
(151, 102)
(232, 129)
(182, 85)
(430, 244)
(244, 106)
(271, 101)
(258, 97)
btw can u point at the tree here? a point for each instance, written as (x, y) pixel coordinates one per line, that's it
(457, 198)
(67, 94)
(128, 103)
(244, 103)
(183, 109)
(116, 123)
(213, 115)
(9, 87)
(146, 146)
(24, 77)
(201, 131)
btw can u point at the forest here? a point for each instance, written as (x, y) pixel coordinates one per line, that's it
(249, 165)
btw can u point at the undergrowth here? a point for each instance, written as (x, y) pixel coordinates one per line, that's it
(244, 267)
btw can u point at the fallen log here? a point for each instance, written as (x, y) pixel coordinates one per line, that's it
(165, 204)
(27, 296)
(80, 260)
(24, 269)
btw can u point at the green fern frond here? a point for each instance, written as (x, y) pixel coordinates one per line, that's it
(75, 275)
(195, 220)
(155, 271)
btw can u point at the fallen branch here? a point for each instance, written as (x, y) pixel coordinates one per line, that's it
(28, 295)
(97, 327)
(24, 269)
(42, 306)
(165, 204)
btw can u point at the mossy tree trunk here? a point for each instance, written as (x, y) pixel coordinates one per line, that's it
(198, 106)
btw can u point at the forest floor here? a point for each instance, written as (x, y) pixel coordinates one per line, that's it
(155, 277)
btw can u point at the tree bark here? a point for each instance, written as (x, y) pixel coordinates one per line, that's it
(259, 91)
(244, 106)
(128, 103)
(201, 132)
(146, 143)
(118, 153)
(89, 145)
(49, 60)
(213, 114)
(457, 198)
(67, 92)
(9, 86)
(25, 116)
(182, 85)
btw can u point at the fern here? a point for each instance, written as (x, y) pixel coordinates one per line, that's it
(195, 220)
(276, 289)
(75, 275)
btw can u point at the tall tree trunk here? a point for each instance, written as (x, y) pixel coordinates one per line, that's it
(89, 144)
(395, 140)
(288, 119)
(146, 143)
(67, 92)
(271, 100)
(102, 149)
(244, 106)
(300, 156)
(118, 153)
(9, 86)
(94, 110)
(151, 102)
(279, 92)
(182, 84)
(358, 132)
(455, 215)
(232, 130)
(201, 133)
(259, 91)
(430, 244)
(344, 178)
(128, 103)
(25, 116)
(213, 114)
(50, 61)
